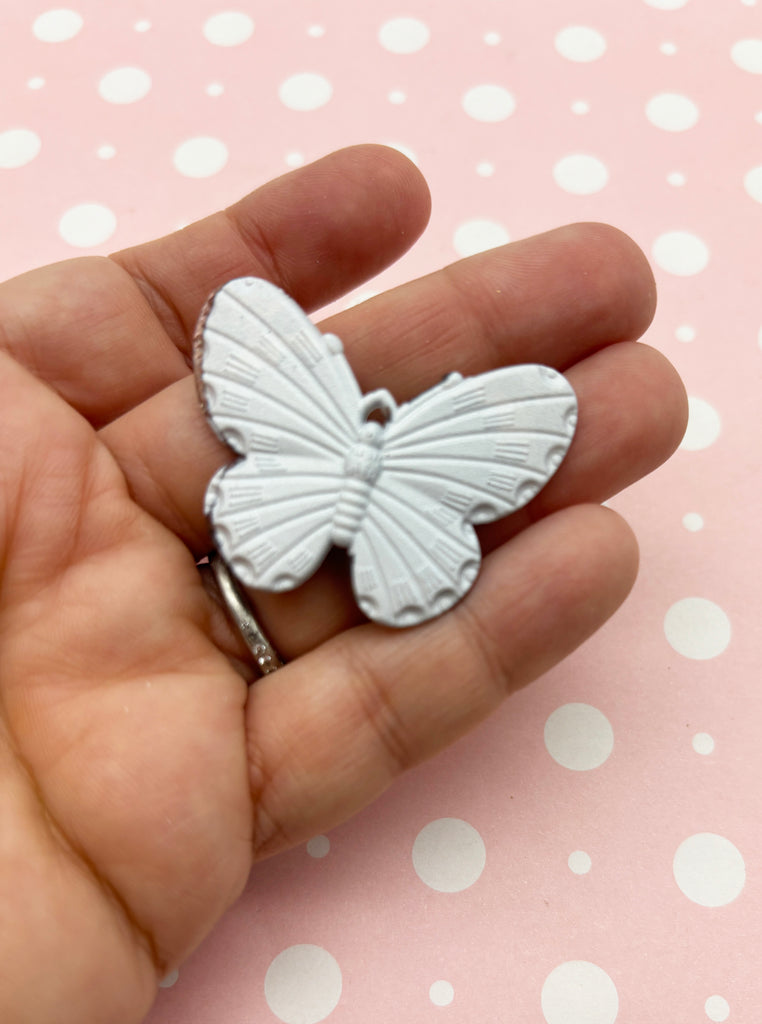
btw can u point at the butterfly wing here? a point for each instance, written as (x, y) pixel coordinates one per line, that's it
(283, 396)
(468, 451)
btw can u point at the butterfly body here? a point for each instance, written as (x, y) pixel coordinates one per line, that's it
(317, 470)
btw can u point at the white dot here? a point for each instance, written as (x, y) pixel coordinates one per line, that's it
(747, 55)
(106, 152)
(752, 182)
(579, 992)
(676, 178)
(404, 35)
(319, 847)
(124, 85)
(672, 112)
(215, 89)
(580, 43)
(681, 253)
(305, 91)
(485, 169)
(492, 38)
(57, 26)
(402, 148)
(717, 1008)
(697, 628)
(316, 31)
(478, 235)
(295, 159)
(580, 174)
(666, 5)
(685, 333)
(36, 83)
(142, 26)
(228, 28)
(709, 870)
(396, 96)
(704, 425)
(758, 117)
(668, 49)
(489, 103)
(579, 737)
(303, 985)
(87, 225)
(449, 855)
(580, 107)
(18, 146)
(441, 993)
(579, 862)
(169, 979)
(200, 157)
(703, 743)
(693, 522)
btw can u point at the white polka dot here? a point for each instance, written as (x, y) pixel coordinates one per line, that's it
(668, 49)
(215, 89)
(666, 5)
(396, 96)
(492, 38)
(685, 333)
(672, 112)
(703, 743)
(57, 26)
(142, 25)
(697, 628)
(579, 737)
(580, 174)
(305, 91)
(18, 146)
(580, 43)
(717, 1009)
(758, 117)
(303, 985)
(488, 103)
(747, 55)
(704, 425)
(709, 870)
(404, 35)
(681, 253)
(449, 855)
(169, 979)
(676, 178)
(106, 152)
(402, 148)
(579, 862)
(87, 225)
(200, 157)
(478, 235)
(579, 992)
(36, 83)
(295, 159)
(580, 107)
(228, 28)
(319, 847)
(485, 169)
(316, 31)
(441, 993)
(693, 521)
(124, 85)
(752, 182)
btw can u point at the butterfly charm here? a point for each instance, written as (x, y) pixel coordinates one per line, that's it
(317, 468)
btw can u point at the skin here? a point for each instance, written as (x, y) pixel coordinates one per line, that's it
(140, 778)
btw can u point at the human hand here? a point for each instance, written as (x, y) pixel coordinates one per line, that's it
(140, 776)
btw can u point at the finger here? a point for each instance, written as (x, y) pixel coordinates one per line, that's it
(329, 732)
(109, 333)
(469, 317)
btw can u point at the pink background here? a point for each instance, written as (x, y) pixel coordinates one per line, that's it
(638, 761)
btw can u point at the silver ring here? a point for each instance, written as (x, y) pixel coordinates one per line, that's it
(265, 656)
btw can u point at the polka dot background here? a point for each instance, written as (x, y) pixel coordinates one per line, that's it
(593, 853)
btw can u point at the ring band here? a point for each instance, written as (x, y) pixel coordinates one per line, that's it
(265, 656)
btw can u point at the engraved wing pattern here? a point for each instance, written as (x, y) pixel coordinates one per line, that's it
(403, 498)
(468, 451)
(282, 395)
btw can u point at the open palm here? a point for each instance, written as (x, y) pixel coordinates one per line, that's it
(139, 776)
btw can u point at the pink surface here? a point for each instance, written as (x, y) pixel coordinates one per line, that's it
(642, 751)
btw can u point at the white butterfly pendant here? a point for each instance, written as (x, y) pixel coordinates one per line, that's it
(316, 470)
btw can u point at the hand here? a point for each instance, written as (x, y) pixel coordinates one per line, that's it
(140, 776)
